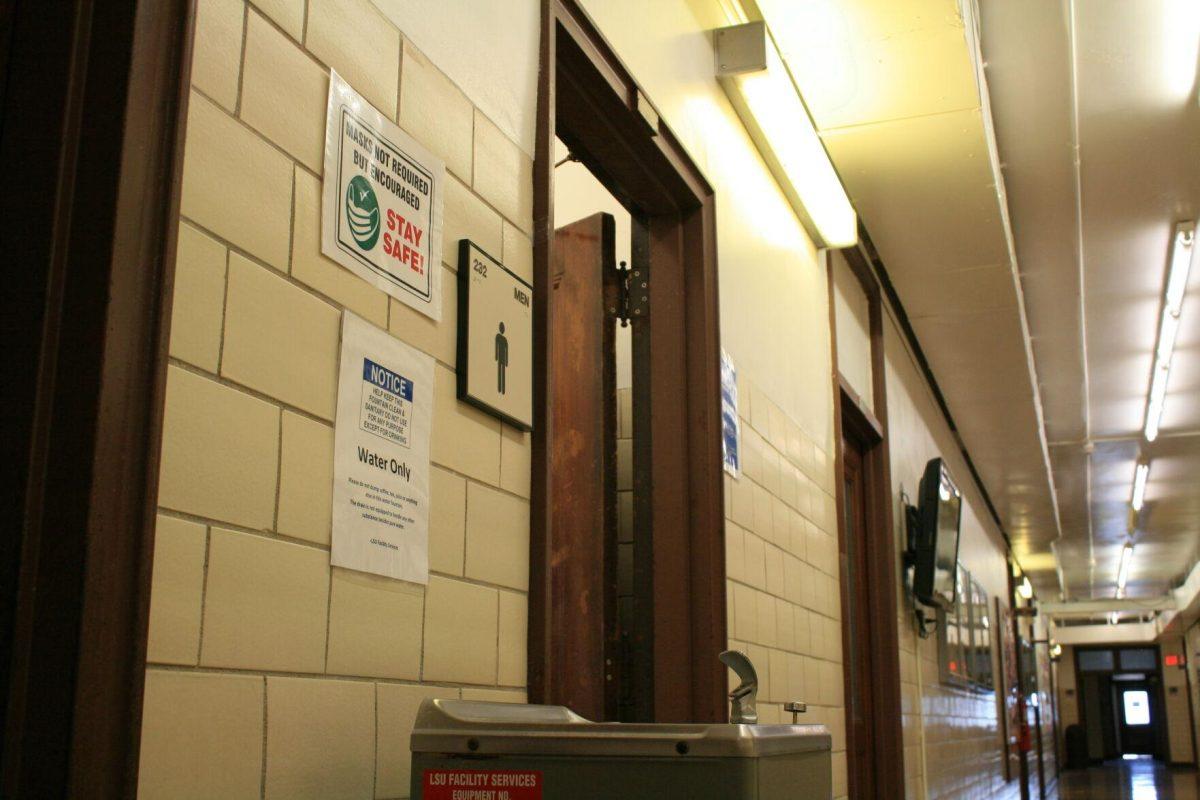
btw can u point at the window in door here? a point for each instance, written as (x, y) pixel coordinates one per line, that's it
(1136, 704)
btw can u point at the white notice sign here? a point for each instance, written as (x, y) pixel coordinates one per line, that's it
(381, 203)
(381, 454)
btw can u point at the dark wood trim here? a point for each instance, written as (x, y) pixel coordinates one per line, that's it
(539, 645)
(589, 98)
(880, 587)
(93, 112)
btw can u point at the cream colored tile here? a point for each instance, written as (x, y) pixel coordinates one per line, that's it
(514, 625)
(494, 695)
(761, 658)
(464, 438)
(448, 131)
(175, 591)
(447, 522)
(305, 479)
(327, 277)
(266, 604)
(497, 537)
(217, 49)
(797, 688)
(201, 736)
(516, 454)
(320, 739)
(460, 632)
(755, 563)
(735, 552)
(198, 300)
(503, 174)
(287, 14)
(797, 536)
(438, 339)
(768, 625)
(284, 93)
(219, 452)
(465, 216)
(624, 465)
(803, 630)
(743, 502)
(774, 570)
(235, 184)
(785, 619)
(374, 626)
(279, 339)
(764, 516)
(397, 707)
(780, 692)
(793, 579)
(781, 523)
(518, 252)
(356, 40)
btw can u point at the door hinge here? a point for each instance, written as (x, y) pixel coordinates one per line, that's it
(633, 294)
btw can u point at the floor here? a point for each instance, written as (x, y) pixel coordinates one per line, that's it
(1130, 780)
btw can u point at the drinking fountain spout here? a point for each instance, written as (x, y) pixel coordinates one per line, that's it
(743, 707)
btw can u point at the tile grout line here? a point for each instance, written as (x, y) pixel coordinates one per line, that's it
(230, 383)
(203, 591)
(317, 676)
(263, 779)
(237, 101)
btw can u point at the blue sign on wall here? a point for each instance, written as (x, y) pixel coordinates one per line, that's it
(730, 426)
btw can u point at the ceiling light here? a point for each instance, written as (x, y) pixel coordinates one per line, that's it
(1140, 474)
(1182, 253)
(761, 88)
(1025, 588)
(1123, 570)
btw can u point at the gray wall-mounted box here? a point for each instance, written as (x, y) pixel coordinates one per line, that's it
(464, 750)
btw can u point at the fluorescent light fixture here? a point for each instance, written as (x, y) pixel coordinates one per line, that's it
(1140, 474)
(1114, 617)
(1123, 570)
(1025, 588)
(1182, 252)
(768, 101)
(1058, 569)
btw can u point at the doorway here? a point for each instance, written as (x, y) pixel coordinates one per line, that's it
(1122, 709)
(625, 623)
(860, 699)
(867, 549)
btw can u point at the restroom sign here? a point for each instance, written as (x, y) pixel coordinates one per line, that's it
(381, 203)
(495, 337)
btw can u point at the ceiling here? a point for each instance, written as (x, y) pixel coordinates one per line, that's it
(1034, 283)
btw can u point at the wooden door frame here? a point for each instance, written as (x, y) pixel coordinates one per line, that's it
(93, 107)
(869, 426)
(585, 91)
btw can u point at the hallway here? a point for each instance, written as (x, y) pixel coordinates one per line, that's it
(1130, 780)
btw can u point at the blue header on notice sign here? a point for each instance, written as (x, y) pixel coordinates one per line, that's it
(387, 380)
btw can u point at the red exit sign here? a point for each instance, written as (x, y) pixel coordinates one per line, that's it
(1174, 660)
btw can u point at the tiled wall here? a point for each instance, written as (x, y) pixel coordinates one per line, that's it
(781, 556)
(952, 740)
(272, 674)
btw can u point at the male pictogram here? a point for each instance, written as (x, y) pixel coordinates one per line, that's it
(501, 358)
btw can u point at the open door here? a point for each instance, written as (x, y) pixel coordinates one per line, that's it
(583, 462)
